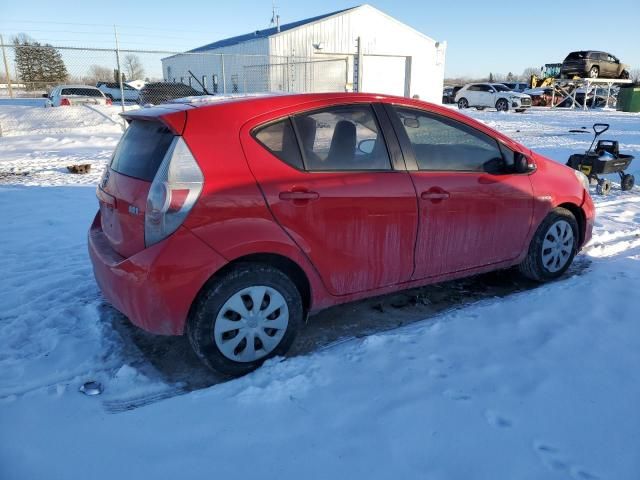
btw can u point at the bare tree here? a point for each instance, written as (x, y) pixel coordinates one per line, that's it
(634, 75)
(133, 67)
(526, 74)
(98, 73)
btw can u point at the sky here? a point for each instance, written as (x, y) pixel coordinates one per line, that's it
(482, 37)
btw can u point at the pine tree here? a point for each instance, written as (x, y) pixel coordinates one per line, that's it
(490, 77)
(39, 66)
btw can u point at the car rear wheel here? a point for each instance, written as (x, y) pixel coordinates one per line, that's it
(502, 105)
(594, 72)
(463, 103)
(624, 75)
(246, 316)
(552, 248)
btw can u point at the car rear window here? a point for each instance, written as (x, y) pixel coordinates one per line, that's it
(141, 149)
(82, 92)
(575, 56)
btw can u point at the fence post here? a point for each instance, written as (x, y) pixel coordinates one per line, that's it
(6, 68)
(224, 77)
(115, 32)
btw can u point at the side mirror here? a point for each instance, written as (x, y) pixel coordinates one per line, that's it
(523, 164)
(495, 166)
(366, 146)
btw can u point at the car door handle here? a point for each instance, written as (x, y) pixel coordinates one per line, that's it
(299, 195)
(430, 195)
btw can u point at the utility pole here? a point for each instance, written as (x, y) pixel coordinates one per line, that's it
(6, 68)
(115, 32)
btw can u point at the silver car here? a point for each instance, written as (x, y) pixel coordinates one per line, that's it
(67, 95)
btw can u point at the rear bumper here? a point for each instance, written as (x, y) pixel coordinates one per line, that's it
(155, 287)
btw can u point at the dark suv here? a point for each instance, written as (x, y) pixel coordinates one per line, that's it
(593, 64)
(161, 92)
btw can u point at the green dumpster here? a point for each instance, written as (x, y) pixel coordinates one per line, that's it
(629, 99)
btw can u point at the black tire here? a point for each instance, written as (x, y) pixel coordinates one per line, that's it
(204, 315)
(533, 266)
(463, 103)
(502, 105)
(624, 75)
(627, 182)
(603, 187)
(594, 72)
(521, 110)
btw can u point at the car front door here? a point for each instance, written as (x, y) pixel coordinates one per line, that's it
(487, 96)
(331, 183)
(473, 212)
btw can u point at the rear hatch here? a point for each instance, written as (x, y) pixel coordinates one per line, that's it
(82, 96)
(123, 190)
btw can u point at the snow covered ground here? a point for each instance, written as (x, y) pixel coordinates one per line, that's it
(491, 381)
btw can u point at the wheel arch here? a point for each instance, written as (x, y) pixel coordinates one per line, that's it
(580, 217)
(289, 267)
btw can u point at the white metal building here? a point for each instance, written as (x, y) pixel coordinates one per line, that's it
(357, 49)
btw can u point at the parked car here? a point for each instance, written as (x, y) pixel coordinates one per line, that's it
(593, 64)
(66, 95)
(232, 221)
(483, 95)
(516, 86)
(161, 92)
(447, 95)
(112, 91)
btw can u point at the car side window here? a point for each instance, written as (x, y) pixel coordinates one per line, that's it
(440, 143)
(342, 138)
(279, 138)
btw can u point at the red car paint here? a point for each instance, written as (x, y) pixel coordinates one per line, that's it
(352, 234)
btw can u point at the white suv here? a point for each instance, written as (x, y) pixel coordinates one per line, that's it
(67, 95)
(492, 95)
(112, 91)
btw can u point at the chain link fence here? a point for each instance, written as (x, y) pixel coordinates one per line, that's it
(33, 74)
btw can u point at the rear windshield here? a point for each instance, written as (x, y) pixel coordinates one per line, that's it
(82, 92)
(142, 149)
(575, 56)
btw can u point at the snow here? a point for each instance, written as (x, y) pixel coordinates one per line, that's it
(537, 383)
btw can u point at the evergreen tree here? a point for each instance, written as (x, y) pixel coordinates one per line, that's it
(39, 66)
(490, 77)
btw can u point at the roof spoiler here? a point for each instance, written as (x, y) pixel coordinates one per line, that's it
(173, 116)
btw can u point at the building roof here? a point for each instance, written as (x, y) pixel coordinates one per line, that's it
(227, 42)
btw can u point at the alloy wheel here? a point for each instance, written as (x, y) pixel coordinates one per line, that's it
(557, 246)
(251, 323)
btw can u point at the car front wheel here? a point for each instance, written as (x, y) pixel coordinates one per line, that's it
(246, 316)
(502, 105)
(552, 248)
(463, 103)
(594, 72)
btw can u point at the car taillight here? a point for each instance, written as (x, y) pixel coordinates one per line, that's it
(65, 101)
(174, 191)
(109, 102)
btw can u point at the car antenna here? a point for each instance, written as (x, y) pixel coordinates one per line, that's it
(204, 89)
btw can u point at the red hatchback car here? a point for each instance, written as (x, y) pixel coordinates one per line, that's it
(233, 220)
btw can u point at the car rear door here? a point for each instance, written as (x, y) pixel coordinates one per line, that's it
(335, 185)
(471, 213)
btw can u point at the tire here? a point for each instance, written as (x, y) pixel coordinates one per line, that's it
(216, 311)
(603, 187)
(627, 182)
(548, 259)
(594, 72)
(624, 75)
(502, 105)
(521, 110)
(463, 103)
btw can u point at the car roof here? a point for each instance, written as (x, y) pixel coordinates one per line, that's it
(76, 86)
